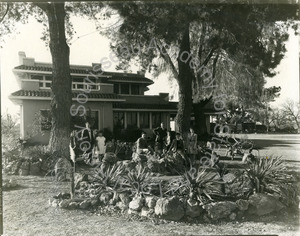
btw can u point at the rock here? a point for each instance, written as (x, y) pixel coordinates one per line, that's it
(232, 216)
(169, 208)
(55, 203)
(132, 212)
(24, 168)
(73, 205)
(64, 204)
(85, 204)
(242, 204)
(35, 168)
(94, 203)
(136, 204)
(105, 197)
(262, 204)
(78, 177)
(83, 184)
(121, 205)
(124, 197)
(146, 212)
(219, 210)
(151, 201)
(193, 209)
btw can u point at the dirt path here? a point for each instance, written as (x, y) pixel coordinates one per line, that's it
(27, 212)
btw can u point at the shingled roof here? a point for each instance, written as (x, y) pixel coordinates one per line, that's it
(113, 76)
(47, 94)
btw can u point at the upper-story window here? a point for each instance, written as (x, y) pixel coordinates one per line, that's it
(81, 83)
(125, 89)
(44, 80)
(135, 89)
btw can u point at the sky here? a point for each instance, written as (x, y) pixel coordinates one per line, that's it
(88, 47)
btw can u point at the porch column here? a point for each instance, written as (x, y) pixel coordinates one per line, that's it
(150, 120)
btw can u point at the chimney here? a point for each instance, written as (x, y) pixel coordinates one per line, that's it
(22, 55)
(96, 67)
(28, 61)
(139, 72)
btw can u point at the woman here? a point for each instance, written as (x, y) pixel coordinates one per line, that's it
(192, 149)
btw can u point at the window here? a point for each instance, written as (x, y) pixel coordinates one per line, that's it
(45, 81)
(131, 119)
(82, 83)
(135, 89)
(119, 120)
(124, 88)
(116, 88)
(156, 119)
(144, 120)
(45, 120)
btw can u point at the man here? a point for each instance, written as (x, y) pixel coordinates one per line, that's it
(87, 140)
(142, 145)
(161, 134)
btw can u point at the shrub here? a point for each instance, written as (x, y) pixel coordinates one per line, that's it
(264, 171)
(109, 178)
(138, 181)
(195, 184)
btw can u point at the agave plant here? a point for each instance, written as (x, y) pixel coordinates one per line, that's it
(138, 181)
(196, 185)
(265, 171)
(109, 178)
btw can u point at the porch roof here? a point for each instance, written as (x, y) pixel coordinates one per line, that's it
(35, 94)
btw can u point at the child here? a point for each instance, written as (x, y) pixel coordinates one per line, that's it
(100, 144)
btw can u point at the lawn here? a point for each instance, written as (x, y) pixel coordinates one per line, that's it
(27, 212)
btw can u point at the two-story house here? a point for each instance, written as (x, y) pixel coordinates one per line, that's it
(116, 100)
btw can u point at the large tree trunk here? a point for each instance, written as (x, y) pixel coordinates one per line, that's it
(200, 120)
(185, 76)
(61, 81)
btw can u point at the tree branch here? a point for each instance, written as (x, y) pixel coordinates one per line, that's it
(7, 8)
(43, 5)
(210, 54)
(164, 54)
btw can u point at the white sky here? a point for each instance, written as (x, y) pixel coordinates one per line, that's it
(92, 47)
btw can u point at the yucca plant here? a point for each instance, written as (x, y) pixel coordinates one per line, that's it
(264, 171)
(109, 178)
(196, 185)
(138, 181)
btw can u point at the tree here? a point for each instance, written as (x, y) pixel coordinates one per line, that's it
(55, 17)
(291, 109)
(203, 36)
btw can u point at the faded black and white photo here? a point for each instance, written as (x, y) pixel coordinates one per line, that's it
(150, 117)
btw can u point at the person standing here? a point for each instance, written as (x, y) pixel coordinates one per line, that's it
(87, 141)
(100, 144)
(177, 146)
(192, 145)
(160, 133)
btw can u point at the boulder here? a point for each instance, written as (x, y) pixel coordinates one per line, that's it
(146, 212)
(105, 197)
(121, 205)
(73, 205)
(242, 204)
(229, 178)
(169, 208)
(193, 209)
(219, 210)
(55, 203)
(232, 216)
(78, 177)
(136, 204)
(262, 204)
(64, 204)
(85, 204)
(151, 201)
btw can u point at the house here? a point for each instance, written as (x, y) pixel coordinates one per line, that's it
(116, 101)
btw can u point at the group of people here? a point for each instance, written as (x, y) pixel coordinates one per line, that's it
(166, 143)
(91, 143)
